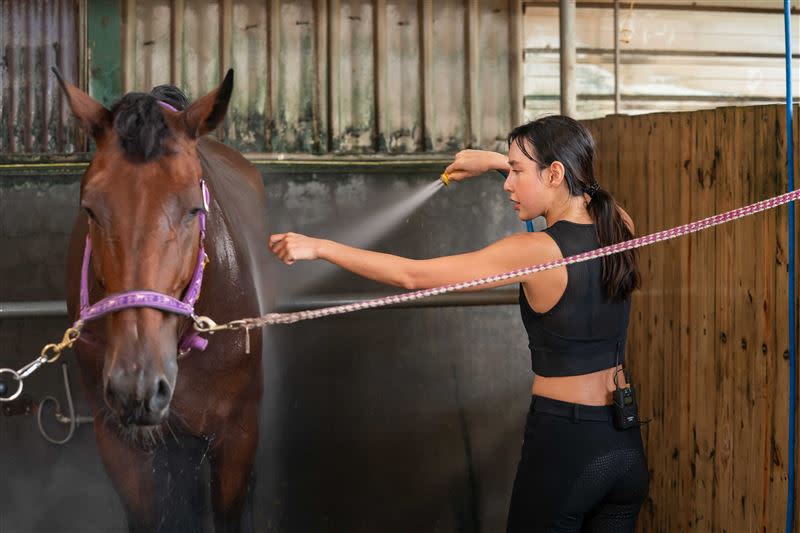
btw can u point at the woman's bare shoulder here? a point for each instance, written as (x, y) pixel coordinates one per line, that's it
(534, 245)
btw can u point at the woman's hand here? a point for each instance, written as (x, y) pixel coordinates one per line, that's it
(291, 247)
(469, 163)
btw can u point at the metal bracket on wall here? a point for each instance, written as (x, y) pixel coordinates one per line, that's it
(25, 405)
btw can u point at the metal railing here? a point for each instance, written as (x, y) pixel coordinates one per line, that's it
(500, 296)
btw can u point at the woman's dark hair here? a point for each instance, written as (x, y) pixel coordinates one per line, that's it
(171, 95)
(560, 138)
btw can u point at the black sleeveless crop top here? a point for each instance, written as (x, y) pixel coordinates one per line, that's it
(585, 331)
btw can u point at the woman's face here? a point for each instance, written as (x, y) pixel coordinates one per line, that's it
(526, 184)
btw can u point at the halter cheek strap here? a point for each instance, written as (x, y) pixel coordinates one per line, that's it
(155, 300)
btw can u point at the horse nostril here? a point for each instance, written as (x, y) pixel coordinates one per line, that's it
(161, 396)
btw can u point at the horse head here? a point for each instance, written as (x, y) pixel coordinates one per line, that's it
(142, 197)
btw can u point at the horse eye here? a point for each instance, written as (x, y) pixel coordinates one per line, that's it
(89, 213)
(196, 211)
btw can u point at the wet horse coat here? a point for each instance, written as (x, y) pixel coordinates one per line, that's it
(204, 448)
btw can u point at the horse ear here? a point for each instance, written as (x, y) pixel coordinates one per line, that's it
(204, 114)
(94, 118)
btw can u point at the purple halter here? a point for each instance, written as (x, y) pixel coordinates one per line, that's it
(155, 300)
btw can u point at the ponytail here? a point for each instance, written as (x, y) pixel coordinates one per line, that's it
(620, 271)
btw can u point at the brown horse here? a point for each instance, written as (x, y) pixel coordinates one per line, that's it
(169, 427)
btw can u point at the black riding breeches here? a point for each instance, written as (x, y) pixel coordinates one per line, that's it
(577, 473)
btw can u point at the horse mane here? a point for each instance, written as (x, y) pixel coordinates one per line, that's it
(140, 126)
(139, 121)
(171, 95)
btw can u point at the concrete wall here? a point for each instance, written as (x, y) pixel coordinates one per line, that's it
(386, 420)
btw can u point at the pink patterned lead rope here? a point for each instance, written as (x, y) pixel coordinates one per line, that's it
(692, 227)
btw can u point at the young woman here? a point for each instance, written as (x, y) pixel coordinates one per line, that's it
(578, 472)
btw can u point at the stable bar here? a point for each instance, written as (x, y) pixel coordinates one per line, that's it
(454, 299)
(33, 309)
(56, 308)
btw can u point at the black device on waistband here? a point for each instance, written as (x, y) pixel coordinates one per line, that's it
(626, 409)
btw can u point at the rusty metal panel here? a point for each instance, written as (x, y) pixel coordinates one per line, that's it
(273, 47)
(36, 35)
(299, 85)
(247, 120)
(173, 42)
(494, 75)
(150, 47)
(448, 123)
(201, 47)
(352, 75)
(104, 30)
(312, 76)
(401, 109)
(342, 76)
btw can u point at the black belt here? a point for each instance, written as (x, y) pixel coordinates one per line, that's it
(574, 411)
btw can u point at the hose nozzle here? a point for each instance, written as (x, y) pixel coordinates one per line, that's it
(445, 179)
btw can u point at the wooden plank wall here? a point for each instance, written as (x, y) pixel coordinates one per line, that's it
(708, 343)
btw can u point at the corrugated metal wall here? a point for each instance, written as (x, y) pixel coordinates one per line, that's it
(36, 35)
(312, 76)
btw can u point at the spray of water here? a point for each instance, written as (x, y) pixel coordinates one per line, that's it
(364, 232)
(369, 230)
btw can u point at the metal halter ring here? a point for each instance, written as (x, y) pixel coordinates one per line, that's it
(203, 324)
(19, 381)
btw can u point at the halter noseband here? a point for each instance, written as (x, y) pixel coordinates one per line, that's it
(156, 300)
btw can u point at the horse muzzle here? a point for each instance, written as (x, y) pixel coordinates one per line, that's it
(138, 397)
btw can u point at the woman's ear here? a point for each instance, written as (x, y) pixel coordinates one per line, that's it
(557, 172)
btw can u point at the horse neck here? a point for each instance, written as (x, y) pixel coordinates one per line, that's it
(236, 234)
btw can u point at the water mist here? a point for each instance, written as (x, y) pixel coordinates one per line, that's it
(364, 231)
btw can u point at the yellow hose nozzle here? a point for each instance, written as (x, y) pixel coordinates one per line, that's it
(445, 178)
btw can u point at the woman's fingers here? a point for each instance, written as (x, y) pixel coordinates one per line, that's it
(451, 168)
(278, 245)
(284, 254)
(457, 164)
(276, 238)
(458, 175)
(469, 163)
(291, 247)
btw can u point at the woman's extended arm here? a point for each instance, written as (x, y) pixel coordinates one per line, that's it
(469, 163)
(511, 253)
